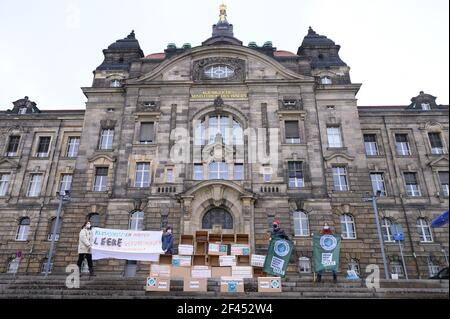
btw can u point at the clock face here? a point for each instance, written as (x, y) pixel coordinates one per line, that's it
(218, 72)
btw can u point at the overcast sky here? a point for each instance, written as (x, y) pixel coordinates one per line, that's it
(395, 48)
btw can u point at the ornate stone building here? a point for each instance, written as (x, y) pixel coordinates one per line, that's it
(230, 135)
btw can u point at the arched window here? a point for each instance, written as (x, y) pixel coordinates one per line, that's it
(226, 126)
(115, 83)
(424, 230)
(217, 216)
(52, 227)
(386, 224)
(13, 266)
(301, 224)
(348, 227)
(397, 268)
(23, 229)
(326, 80)
(354, 265)
(136, 221)
(304, 265)
(94, 218)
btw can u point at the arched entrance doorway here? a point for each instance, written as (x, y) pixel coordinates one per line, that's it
(217, 216)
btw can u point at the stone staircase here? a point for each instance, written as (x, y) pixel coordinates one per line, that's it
(106, 286)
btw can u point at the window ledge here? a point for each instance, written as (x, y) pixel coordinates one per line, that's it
(337, 149)
(293, 144)
(68, 158)
(144, 145)
(375, 156)
(40, 157)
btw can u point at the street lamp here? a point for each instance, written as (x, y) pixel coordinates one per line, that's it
(373, 199)
(62, 198)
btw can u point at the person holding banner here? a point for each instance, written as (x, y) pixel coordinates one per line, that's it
(277, 232)
(167, 241)
(84, 247)
(326, 230)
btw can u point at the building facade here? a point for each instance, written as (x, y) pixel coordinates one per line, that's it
(226, 136)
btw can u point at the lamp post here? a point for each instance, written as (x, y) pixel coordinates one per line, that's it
(373, 199)
(62, 198)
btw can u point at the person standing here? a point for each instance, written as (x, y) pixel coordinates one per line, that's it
(326, 230)
(167, 241)
(277, 232)
(84, 247)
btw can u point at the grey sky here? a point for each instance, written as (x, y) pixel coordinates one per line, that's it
(49, 49)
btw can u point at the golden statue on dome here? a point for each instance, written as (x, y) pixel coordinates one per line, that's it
(223, 13)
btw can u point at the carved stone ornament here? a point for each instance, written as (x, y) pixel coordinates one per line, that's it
(148, 106)
(237, 65)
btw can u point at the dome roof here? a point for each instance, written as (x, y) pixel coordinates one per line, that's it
(314, 39)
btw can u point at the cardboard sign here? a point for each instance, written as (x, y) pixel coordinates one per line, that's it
(160, 270)
(180, 272)
(257, 260)
(269, 284)
(217, 249)
(181, 261)
(186, 250)
(231, 284)
(201, 272)
(218, 272)
(157, 284)
(242, 272)
(227, 261)
(195, 284)
(240, 250)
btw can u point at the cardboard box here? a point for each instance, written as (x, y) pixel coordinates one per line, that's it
(227, 261)
(242, 272)
(257, 260)
(201, 236)
(231, 284)
(199, 260)
(215, 238)
(181, 261)
(218, 272)
(200, 248)
(258, 272)
(242, 239)
(243, 260)
(186, 250)
(213, 261)
(269, 284)
(165, 259)
(217, 249)
(157, 284)
(180, 272)
(240, 249)
(187, 240)
(160, 270)
(228, 239)
(201, 272)
(195, 284)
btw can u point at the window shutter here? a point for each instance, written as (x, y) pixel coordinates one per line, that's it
(291, 128)
(147, 133)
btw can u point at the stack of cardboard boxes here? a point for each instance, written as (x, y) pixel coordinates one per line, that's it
(221, 256)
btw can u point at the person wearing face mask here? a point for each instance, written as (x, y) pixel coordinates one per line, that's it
(277, 232)
(326, 230)
(84, 247)
(167, 241)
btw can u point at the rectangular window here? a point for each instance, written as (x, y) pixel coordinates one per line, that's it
(436, 143)
(443, 178)
(169, 175)
(66, 183)
(13, 145)
(43, 146)
(4, 183)
(147, 133)
(142, 178)
(292, 132)
(101, 179)
(198, 172)
(218, 170)
(72, 146)
(238, 172)
(402, 144)
(295, 172)
(34, 188)
(267, 174)
(199, 134)
(378, 183)
(370, 144)
(340, 179)
(106, 139)
(412, 187)
(334, 137)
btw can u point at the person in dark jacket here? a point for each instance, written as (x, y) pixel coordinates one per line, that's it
(277, 232)
(326, 230)
(167, 241)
